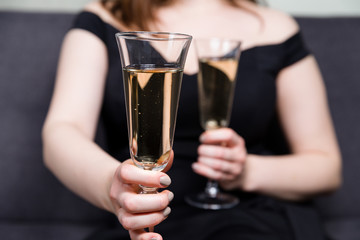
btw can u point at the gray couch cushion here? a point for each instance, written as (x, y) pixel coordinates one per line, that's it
(336, 45)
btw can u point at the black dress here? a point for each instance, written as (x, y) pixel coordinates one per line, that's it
(257, 217)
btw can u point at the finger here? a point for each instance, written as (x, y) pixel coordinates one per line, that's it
(211, 173)
(142, 203)
(131, 174)
(217, 136)
(219, 152)
(233, 154)
(140, 234)
(137, 221)
(221, 165)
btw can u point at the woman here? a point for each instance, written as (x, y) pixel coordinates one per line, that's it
(279, 85)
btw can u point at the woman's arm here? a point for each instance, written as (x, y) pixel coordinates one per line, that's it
(315, 164)
(69, 129)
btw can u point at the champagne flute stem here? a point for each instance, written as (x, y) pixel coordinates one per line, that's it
(212, 189)
(212, 186)
(148, 190)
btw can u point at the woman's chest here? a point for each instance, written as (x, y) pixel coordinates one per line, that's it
(254, 99)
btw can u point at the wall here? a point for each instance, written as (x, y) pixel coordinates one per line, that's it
(43, 5)
(294, 7)
(318, 7)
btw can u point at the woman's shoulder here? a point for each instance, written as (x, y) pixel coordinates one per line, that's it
(277, 26)
(99, 10)
(90, 20)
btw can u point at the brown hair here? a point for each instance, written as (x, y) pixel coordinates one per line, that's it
(138, 13)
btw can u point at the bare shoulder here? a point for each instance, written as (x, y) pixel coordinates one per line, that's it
(277, 25)
(77, 36)
(97, 8)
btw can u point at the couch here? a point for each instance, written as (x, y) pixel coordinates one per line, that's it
(35, 206)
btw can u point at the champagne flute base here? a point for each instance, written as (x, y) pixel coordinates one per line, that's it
(204, 201)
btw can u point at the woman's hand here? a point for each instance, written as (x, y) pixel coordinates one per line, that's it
(222, 157)
(138, 211)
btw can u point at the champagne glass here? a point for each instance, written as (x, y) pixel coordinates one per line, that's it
(218, 63)
(152, 64)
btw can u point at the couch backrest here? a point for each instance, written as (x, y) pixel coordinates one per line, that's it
(29, 49)
(336, 45)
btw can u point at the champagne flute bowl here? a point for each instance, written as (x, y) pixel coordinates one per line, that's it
(152, 65)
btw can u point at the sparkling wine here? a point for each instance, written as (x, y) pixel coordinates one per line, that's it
(216, 85)
(152, 95)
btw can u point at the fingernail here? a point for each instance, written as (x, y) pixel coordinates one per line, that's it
(166, 212)
(165, 180)
(170, 196)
